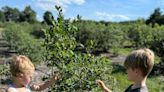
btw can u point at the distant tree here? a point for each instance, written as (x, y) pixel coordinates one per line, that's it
(48, 17)
(28, 15)
(2, 16)
(140, 35)
(11, 14)
(104, 22)
(154, 17)
(160, 20)
(37, 30)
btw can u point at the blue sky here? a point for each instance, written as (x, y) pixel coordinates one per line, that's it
(108, 10)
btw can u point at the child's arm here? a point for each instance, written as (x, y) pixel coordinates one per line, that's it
(102, 86)
(46, 84)
(9, 90)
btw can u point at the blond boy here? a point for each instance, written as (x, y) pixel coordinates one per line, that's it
(22, 71)
(138, 64)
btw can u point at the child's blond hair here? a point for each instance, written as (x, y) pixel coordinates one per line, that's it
(21, 64)
(142, 59)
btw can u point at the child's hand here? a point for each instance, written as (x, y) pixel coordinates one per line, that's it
(56, 75)
(100, 83)
(35, 87)
(47, 83)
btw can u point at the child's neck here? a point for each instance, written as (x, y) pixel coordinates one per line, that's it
(140, 82)
(17, 84)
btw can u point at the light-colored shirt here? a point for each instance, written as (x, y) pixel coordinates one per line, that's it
(14, 89)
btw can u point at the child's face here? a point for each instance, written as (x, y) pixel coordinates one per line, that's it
(132, 74)
(26, 78)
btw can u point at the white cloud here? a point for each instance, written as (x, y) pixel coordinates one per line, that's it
(111, 17)
(50, 4)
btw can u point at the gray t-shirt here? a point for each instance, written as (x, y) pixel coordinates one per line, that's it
(140, 89)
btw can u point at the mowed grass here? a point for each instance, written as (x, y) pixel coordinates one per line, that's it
(1, 66)
(121, 51)
(1, 29)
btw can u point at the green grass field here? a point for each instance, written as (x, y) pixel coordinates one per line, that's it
(1, 66)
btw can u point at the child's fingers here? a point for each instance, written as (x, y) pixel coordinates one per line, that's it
(99, 82)
(56, 75)
(35, 87)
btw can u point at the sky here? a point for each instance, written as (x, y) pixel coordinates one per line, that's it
(107, 10)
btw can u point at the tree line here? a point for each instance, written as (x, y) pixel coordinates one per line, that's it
(8, 14)
(29, 15)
